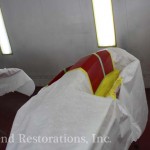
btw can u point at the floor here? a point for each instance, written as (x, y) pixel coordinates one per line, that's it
(10, 103)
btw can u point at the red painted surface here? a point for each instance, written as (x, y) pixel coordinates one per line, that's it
(106, 60)
(93, 68)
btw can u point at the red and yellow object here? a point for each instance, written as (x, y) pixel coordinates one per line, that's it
(96, 65)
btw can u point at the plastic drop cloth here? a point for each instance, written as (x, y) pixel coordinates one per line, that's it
(67, 108)
(14, 79)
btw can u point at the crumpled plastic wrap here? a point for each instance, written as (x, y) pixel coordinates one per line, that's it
(68, 108)
(14, 79)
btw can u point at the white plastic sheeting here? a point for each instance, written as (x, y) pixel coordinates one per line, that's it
(67, 108)
(14, 79)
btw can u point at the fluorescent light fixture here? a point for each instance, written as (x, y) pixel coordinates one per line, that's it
(104, 22)
(4, 41)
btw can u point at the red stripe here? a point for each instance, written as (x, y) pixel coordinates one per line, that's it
(57, 77)
(106, 60)
(92, 66)
(68, 68)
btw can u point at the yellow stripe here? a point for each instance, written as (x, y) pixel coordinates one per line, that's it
(116, 85)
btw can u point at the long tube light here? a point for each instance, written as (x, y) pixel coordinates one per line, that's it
(104, 22)
(4, 41)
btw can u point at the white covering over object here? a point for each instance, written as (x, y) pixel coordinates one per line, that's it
(68, 108)
(14, 79)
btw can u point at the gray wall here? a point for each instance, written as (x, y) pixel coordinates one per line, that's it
(133, 30)
(48, 35)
